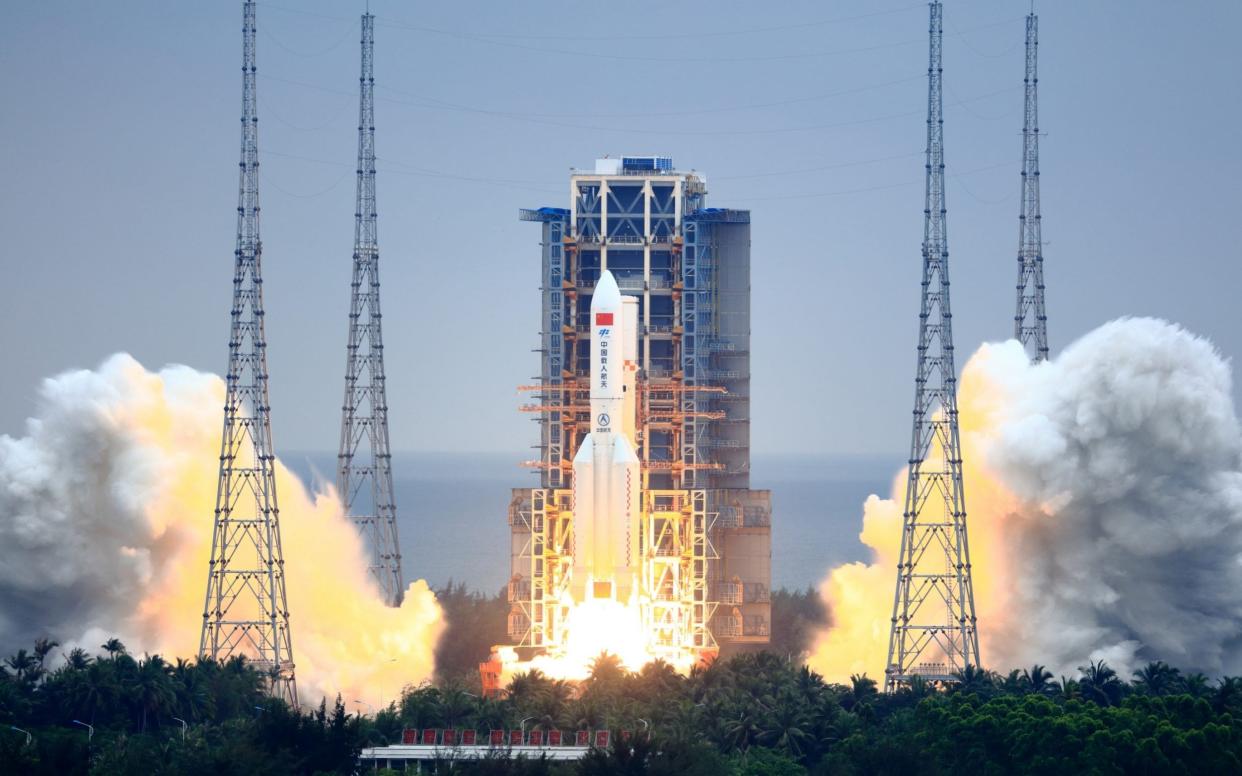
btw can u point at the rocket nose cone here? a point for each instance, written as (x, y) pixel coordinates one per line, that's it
(606, 294)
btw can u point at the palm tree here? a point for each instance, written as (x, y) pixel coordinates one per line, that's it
(1100, 683)
(42, 647)
(810, 684)
(1196, 685)
(97, 689)
(972, 678)
(421, 706)
(77, 659)
(490, 714)
(1038, 679)
(789, 727)
(1228, 693)
(25, 667)
(152, 689)
(863, 690)
(456, 704)
(525, 686)
(1157, 678)
(1068, 689)
(587, 713)
(656, 679)
(1013, 683)
(113, 647)
(551, 703)
(606, 670)
(744, 730)
(708, 679)
(190, 688)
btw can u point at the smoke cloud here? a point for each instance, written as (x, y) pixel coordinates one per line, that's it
(1104, 491)
(106, 511)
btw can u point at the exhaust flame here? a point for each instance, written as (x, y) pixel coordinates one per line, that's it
(1104, 491)
(105, 529)
(593, 627)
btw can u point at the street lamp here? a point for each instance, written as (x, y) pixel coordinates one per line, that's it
(29, 737)
(381, 698)
(369, 706)
(90, 730)
(184, 725)
(646, 724)
(522, 727)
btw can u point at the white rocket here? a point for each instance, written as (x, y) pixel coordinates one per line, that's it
(607, 478)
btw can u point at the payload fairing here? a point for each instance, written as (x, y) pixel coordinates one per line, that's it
(607, 483)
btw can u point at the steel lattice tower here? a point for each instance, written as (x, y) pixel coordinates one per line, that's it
(246, 612)
(364, 414)
(933, 627)
(1030, 324)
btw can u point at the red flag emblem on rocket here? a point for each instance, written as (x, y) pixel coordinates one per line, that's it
(603, 319)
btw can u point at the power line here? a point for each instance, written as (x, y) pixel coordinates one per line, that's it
(303, 54)
(820, 168)
(398, 24)
(671, 60)
(268, 179)
(530, 119)
(666, 114)
(492, 39)
(865, 189)
(297, 127)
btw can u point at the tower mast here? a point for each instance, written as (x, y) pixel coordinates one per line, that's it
(933, 626)
(1030, 324)
(245, 611)
(365, 463)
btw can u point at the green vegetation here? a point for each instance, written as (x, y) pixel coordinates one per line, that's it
(117, 714)
(758, 714)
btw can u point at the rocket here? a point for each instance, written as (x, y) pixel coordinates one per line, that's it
(607, 483)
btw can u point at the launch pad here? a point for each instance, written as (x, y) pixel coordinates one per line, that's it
(687, 551)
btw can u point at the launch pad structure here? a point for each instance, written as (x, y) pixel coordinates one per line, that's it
(705, 536)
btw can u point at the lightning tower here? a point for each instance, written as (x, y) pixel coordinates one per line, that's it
(1030, 324)
(364, 466)
(246, 612)
(933, 626)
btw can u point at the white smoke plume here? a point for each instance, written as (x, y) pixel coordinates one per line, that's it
(106, 509)
(1104, 491)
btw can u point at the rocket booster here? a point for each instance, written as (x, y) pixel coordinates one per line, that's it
(607, 485)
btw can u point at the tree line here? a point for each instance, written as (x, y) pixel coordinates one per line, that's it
(758, 713)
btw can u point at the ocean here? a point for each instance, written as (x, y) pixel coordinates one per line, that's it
(452, 511)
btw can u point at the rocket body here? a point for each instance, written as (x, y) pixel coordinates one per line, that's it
(607, 484)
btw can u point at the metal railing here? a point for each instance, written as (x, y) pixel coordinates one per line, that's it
(729, 592)
(755, 625)
(727, 626)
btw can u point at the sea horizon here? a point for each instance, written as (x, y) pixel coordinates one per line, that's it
(452, 510)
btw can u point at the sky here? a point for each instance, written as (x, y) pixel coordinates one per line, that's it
(118, 187)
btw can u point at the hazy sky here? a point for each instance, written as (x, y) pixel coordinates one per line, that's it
(118, 179)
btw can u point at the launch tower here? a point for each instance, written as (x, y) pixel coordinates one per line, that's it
(1030, 324)
(705, 539)
(933, 627)
(245, 612)
(364, 466)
